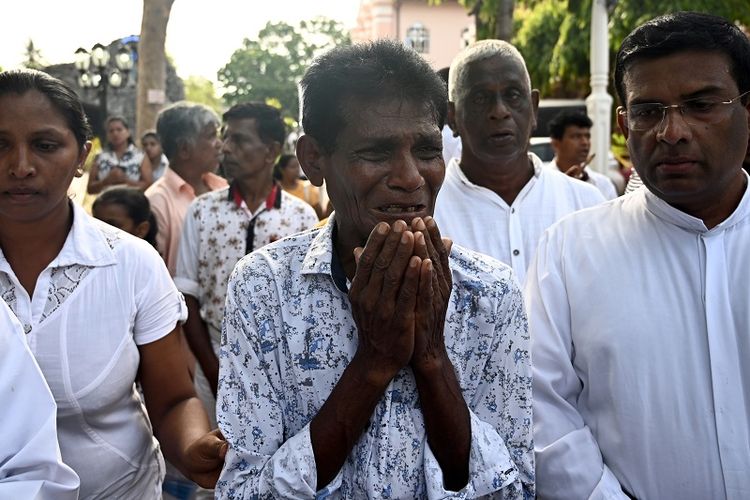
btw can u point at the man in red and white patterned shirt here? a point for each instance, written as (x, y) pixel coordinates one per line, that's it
(223, 226)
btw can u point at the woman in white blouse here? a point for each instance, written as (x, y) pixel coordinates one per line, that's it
(97, 305)
(30, 463)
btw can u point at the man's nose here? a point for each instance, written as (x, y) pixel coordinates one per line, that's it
(673, 128)
(499, 109)
(405, 174)
(20, 163)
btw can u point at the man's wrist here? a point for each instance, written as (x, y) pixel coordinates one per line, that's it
(372, 372)
(433, 363)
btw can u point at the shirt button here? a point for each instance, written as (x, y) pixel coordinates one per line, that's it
(516, 252)
(512, 210)
(26, 328)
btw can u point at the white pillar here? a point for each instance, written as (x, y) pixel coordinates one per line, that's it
(599, 102)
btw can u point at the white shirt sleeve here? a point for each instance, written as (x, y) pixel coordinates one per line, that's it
(186, 273)
(30, 462)
(569, 463)
(261, 461)
(159, 305)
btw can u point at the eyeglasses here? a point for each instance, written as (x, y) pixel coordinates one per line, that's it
(698, 111)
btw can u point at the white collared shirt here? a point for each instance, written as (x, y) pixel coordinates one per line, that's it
(30, 462)
(596, 179)
(288, 336)
(105, 293)
(640, 324)
(477, 218)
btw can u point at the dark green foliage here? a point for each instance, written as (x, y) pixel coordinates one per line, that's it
(553, 35)
(269, 68)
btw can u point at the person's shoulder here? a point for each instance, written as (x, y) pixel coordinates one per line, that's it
(292, 201)
(281, 256)
(472, 267)
(296, 205)
(157, 190)
(211, 198)
(605, 216)
(584, 192)
(294, 245)
(124, 246)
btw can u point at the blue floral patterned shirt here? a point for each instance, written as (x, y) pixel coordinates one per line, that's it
(289, 334)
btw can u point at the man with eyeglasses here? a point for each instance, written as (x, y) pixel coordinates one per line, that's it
(645, 392)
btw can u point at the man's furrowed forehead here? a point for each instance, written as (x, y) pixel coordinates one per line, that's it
(499, 69)
(381, 118)
(643, 82)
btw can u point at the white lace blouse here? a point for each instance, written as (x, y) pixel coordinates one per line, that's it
(105, 294)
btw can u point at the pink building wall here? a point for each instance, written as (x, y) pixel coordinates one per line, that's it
(446, 25)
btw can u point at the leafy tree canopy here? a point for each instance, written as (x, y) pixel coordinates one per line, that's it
(201, 90)
(270, 67)
(554, 35)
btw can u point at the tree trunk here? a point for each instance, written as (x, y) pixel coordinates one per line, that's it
(152, 63)
(504, 20)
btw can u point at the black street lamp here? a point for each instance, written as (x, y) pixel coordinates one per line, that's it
(97, 72)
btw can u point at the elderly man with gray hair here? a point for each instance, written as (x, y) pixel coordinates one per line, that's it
(190, 140)
(498, 198)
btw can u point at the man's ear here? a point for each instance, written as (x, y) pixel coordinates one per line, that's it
(142, 229)
(184, 150)
(450, 118)
(621, 122)
(555, 143)
(534, 106)
(274, 151)
(310, 158)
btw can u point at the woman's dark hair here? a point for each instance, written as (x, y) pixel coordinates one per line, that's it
(150, 134)
(62, 97)
(121, 119)
(136, 205)
(281, 164)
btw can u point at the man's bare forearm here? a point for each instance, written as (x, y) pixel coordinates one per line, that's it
(344, 416)
(446, 418)
(199, 340)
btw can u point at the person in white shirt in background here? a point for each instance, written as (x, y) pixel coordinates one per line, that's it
(498, 198)
(30, 462)
(638, 308)
(570, 137)
(451, 140)
(98, 307)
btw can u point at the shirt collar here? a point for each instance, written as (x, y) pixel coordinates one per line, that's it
(273, 200)
(454, 169)
(174, 182)
(319, 254)
(672, 215)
